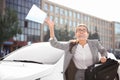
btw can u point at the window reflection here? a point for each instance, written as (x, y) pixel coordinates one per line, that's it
(46, 7)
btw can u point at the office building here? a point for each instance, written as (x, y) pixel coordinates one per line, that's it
(30, 29)
(62, 16)
(117, 36)
(66, 16)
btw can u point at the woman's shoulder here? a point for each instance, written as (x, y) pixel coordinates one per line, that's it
(93, 40)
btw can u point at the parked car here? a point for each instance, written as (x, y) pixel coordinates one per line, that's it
(117, 53)
(38, 61)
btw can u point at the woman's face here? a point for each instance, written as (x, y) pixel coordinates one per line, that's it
(81, 33)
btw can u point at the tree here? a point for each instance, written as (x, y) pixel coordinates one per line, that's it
(8, 25)
(61, 34)
(94, 35)
(57, 34)
(90, 35)
(46, 37)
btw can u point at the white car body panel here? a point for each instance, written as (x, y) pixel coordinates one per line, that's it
(20, 71)
(43, 52)
(51, 69)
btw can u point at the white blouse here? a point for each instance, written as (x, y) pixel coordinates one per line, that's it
(83, 57)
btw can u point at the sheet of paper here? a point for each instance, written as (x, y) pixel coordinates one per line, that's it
(36, 14)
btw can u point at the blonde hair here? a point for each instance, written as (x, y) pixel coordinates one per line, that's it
(82, 25)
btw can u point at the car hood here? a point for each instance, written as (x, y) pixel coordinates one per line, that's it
(23, 71)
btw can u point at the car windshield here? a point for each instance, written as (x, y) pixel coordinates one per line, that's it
(42, 53)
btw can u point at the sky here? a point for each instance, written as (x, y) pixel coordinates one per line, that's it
(105, 9)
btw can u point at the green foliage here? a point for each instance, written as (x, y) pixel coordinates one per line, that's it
(65, 35)
(61, 34)
(94, 36)
(8, 25)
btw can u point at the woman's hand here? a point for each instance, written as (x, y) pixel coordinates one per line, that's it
(49, 22)
(51, 26)
(103, 59)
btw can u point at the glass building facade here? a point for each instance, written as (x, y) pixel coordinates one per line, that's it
(30, 29)
(117, 35)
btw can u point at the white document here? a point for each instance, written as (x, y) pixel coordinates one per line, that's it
(36, 14)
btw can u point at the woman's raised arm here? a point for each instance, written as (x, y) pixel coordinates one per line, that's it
(51, 27)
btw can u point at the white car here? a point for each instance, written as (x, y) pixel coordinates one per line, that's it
(38, 61)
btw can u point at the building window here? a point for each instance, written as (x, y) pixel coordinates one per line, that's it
(74, 24)
(26, 24)
(78, 16)
(45, 28)
(70, 23)
(66, 21)
(61, 11)
(70, 13)
(85, 18)
(61, 20)
(88, 19)
(19, 9)
(57, 10)
(56, 20)
(51, 18)
(19, 2)
(74, 14)
(46, 7)
(25, 30)
(51, 8)
(66, 13)
(36, 32)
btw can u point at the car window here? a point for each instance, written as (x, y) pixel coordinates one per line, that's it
(40, 52)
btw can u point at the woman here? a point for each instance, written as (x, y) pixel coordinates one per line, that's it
(82, 51)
